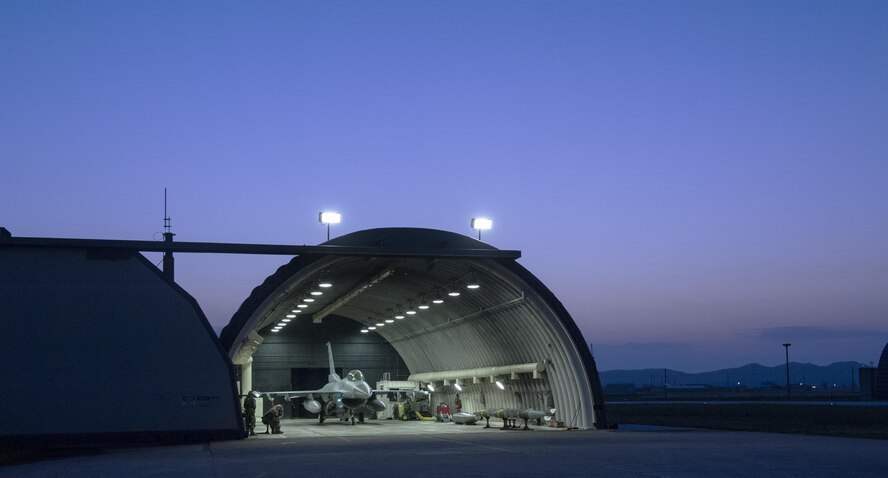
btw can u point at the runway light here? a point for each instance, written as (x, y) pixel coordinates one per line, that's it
(500, 385)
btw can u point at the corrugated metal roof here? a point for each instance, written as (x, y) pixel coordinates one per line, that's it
(511, 319)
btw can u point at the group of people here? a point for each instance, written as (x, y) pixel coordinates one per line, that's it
(271, 419)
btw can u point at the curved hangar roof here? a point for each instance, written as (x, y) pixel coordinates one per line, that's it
(512, 326)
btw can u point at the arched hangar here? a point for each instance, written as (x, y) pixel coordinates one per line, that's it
(399, 300)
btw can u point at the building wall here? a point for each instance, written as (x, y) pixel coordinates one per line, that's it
(97, 343)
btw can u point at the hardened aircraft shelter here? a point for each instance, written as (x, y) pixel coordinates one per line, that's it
(427, 306)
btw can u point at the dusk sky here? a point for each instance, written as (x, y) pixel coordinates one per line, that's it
(697, 182)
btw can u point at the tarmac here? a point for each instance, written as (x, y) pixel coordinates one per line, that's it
(393, 448)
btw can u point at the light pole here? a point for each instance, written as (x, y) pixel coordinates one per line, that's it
(329, 218)
(481, 224)
(786, 346)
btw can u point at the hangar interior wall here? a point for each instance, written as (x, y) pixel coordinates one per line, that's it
(97, 342)
(302, 346)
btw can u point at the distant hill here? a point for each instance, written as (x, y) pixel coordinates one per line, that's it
(752, 375)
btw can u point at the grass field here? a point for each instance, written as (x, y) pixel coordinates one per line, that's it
(845, 421)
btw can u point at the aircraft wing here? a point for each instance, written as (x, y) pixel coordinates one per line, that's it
(288, 394)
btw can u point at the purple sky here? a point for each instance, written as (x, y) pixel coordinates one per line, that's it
(698, 182)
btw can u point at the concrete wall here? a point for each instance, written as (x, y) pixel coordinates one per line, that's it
(98, 344)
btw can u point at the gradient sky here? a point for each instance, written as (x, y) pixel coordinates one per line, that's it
(698, 182)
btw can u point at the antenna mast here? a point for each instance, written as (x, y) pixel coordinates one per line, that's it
(168, 262)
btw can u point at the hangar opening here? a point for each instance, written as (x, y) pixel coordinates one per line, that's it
(423, 305)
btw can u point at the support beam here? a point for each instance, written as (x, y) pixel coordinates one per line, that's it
(474, 373)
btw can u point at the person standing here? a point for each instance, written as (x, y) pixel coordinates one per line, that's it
(250, 414)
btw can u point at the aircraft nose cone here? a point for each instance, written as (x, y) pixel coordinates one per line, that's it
(362, 390)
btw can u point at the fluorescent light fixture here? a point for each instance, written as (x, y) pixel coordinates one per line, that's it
(380, 324)
(458, 387)
(286, 320)
(291, 316)
(472, 283)
(302, 306)
(371, 328)
(275, 330)
(330, 218)
(423, 305)
(389, 321)
(481, 223)
(500, 385)
(364, 331)
(282, 324)
(453, 293)
(296, 311)
(316, 292)
(438, 299)
(430, 387)
(325, 284)
(411, 312)
(308, 299)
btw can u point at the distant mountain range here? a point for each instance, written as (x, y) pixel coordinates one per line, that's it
(752, 375)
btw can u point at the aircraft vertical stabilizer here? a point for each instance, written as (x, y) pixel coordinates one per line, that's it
(333, 377)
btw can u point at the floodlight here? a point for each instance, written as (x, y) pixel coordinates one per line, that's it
(458, 387)
(481, 224)
(333, 218)
(430, 387)
(327, 218)
(499, 384)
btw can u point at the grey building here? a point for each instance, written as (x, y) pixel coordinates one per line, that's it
(99, 347)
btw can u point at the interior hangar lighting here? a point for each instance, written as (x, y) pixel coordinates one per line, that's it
(380, 324)
(287, 320)
(302, 306)
(453, 292)
(430, 387)
(291, 316)
(472, 283)
(371, 328)
(282, 324)
(499, 384)
(296, 311)
(324, 283)
(364, 331)
(438, 299)
(308, 299)
(399, 315)
(424, 304)
(481, 224)
(457, 386)
(389, 321)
